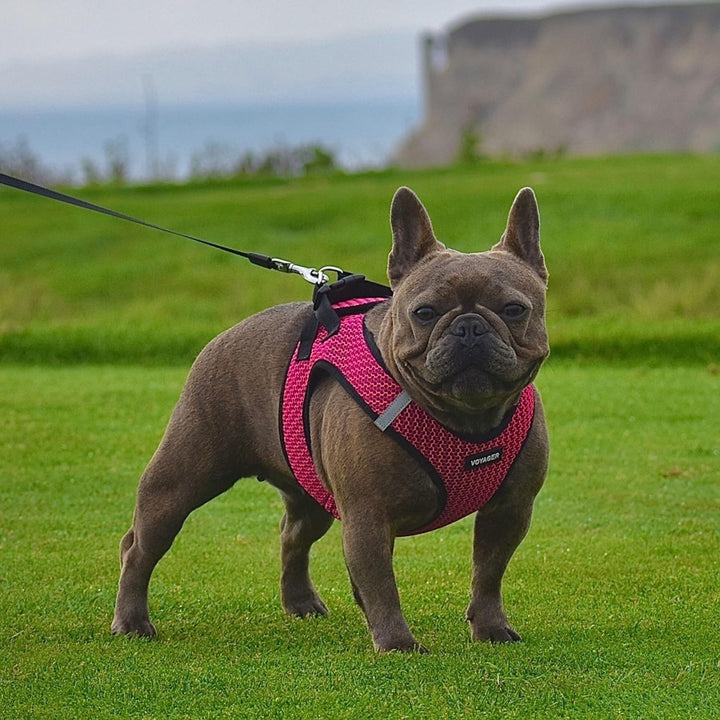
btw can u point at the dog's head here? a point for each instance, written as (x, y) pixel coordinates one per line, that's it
(465, 333)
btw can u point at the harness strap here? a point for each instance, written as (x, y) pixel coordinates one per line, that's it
(466, 471)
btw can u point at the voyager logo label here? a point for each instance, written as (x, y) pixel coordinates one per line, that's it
(483, 459)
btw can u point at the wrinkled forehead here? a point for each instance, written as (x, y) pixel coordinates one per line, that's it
(468, 278)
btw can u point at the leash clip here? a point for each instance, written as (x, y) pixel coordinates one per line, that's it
(312, 275)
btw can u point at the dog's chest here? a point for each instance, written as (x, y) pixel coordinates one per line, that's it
(468, 472)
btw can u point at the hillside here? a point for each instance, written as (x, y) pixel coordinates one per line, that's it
(631, 245)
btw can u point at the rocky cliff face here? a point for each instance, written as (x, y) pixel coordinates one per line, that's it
(599, 81)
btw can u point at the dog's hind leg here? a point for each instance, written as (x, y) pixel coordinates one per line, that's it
(188, 469)
(303, 523)
(224, 427)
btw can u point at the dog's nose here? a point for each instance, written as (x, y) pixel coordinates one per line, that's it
(469, 328)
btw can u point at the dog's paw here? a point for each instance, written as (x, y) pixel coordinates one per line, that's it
(311, 606)
(403, 644)
(139, 628)
(494, 632)
(491, 625)
(501, 634)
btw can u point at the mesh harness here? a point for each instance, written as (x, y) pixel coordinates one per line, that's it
(467, 472)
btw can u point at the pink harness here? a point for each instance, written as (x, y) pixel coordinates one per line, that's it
(468, 473)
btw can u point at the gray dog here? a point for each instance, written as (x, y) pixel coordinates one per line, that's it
(429, 417)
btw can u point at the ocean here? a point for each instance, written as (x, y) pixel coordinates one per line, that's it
(168, 141)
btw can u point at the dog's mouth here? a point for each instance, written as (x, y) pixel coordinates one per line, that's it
(490, 356)
(473, 378)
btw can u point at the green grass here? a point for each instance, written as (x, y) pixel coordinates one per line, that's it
(614, 590)
(631, 244)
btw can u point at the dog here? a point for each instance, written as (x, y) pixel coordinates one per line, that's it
(456, 348)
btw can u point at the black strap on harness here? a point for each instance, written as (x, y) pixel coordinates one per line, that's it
(347, 287)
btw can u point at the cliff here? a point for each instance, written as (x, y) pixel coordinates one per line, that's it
(614, 80)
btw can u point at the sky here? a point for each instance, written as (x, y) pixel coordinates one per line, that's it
(72, 53)
(39, 30)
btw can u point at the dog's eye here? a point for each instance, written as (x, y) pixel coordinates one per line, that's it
(425, 313)
(514, 311)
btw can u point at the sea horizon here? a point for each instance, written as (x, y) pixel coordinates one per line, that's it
(163, 141)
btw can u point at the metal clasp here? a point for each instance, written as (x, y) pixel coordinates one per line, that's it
(312, 275)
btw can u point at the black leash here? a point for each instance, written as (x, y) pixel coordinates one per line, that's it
(316, 277)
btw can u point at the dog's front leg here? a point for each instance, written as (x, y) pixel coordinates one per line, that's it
(368, 554)
(497, 536)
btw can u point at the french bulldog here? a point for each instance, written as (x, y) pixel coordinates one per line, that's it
(463, 335)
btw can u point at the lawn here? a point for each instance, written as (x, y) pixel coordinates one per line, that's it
(615, 590)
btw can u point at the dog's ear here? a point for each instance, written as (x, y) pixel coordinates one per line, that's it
(522, 234)
(412, 232)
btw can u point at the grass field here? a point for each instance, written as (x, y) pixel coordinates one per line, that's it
(615, 590)
(631, 244)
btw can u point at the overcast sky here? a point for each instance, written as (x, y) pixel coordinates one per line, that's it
(98, 52)
(36, 30)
